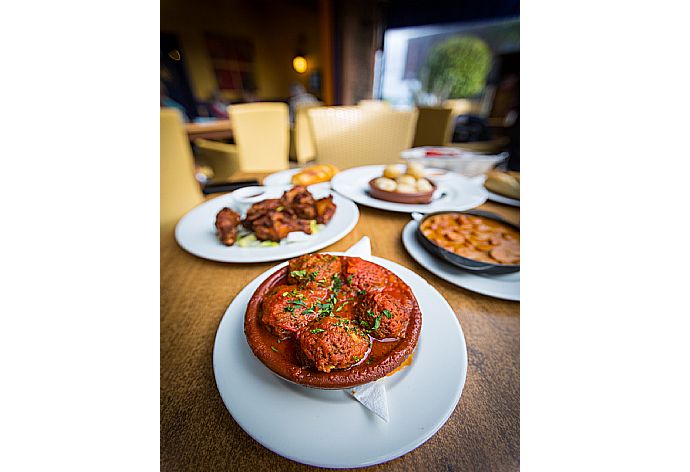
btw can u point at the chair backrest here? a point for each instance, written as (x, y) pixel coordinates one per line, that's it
(377, 104)
(304, 141)
(354, 136)
(434, 126)
(463, 106)
(262, 135)
(180, 191)
(220, 157)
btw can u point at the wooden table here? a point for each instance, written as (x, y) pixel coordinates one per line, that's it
(219, 129)
(198, 433)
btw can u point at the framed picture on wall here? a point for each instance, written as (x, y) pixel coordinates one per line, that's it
(233, 62)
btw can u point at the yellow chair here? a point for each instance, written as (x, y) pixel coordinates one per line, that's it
(261, 132)
(434, 126)
(301, 137)
(220, 157)
(375, 104)
(180, 191)
(463, 106)
(354, 136)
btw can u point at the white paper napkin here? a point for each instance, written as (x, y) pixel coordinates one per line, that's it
(371, 395)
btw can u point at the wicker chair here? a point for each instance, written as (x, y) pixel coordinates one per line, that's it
(261, 131)
(354, 136)
(301, 138)
(434, 126)
(180, 191)
(375, 104)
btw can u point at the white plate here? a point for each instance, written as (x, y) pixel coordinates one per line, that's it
(329, 428)
(501, 199)
(196, 232)
(457, 192)
(504, 286)
(281, 178)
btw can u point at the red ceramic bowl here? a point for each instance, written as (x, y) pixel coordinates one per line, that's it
(281, 357)
(397, 197)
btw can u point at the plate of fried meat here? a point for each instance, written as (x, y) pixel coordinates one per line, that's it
(270, 223)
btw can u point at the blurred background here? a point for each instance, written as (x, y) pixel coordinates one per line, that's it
(456, 62)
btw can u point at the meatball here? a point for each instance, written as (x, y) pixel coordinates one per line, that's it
(365, 275)
(331, 342)
(287, 308)
(314, 269)
(384, 316)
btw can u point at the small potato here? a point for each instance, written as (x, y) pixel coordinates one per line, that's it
(424, 185)
(404, 188)
(386, 184)
(392, 171)
(416, 170)
(406, 180)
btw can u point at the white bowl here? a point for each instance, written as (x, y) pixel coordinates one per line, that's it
(467, 163)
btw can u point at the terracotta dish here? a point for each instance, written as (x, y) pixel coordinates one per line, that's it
(332, 322)
(397, 197)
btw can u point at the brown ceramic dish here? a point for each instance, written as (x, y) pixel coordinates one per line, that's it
(397, 197)
(382, 358)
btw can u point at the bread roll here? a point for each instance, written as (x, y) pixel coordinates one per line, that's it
(386, 184)
(406, 180)
(424, 185)
(405, 188)
(392, 171)
(416, 170)
(503, 184)
(315, 174)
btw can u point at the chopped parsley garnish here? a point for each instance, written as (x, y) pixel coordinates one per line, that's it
(337, 283)
(317, 330)
(349, 279)
(272, 347)
(291, 309)
(313, 275)
(341, 306)
(387, 313)
(377, 322)
(361, 292)
(285, 294)
(298, 273)
(355, 358)
(298, 302)
(371, 313)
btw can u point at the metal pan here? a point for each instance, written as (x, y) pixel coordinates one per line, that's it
(464, 262)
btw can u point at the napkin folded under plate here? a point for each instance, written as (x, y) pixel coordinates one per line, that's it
(371, 395)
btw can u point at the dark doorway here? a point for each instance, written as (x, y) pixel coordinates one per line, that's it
(173, 74)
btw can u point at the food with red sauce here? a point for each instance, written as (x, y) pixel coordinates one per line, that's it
(312, 323)
(287, 309)
(384, 316)
(474, 237)
(364, 275)
(332, 342)
(317, 268)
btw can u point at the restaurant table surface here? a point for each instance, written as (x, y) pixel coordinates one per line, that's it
(198, 433)
(216, 129)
